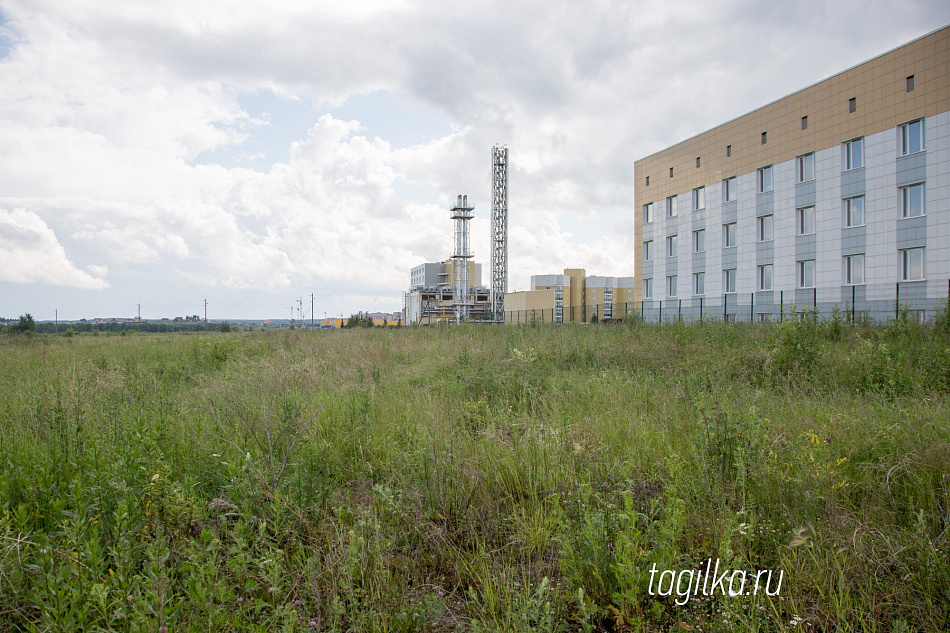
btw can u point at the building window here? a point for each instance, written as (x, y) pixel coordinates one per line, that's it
(806, 221)
(728, 151)
(671, 246)
(912, 264)
(729, 189)
(648, 250)
(854, 154)
(671, 286)
(648, 181)
(912, 137)
(765, 137)
(854, 211)
(729, 280)
(671, 207)
(805, 122)
(729, 235)
(765, 179)
(648, 213)
(852, 105)
(805, 167)
(699, 283)
(699, 198)
(854, 270)
(806, 273)
(648, 288)
(697, 161)
(764, 229)
(909, 84)
(765, 277)
(912, 201)
(699, 241)
(671, 172)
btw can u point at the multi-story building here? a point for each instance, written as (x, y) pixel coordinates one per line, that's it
(571, 297)
(836, 195)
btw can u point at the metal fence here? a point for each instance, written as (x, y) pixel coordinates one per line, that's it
(867, 303)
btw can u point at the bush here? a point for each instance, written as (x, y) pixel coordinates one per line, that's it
(26, 325)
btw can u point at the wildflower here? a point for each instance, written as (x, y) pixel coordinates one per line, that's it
(163, 629)
(240, 599)
(313, 623)
(129, 598)
(297, 602)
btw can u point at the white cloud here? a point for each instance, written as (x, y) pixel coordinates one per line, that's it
(30, 253)
(105, 107)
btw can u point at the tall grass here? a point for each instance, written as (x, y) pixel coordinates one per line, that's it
(483, 478)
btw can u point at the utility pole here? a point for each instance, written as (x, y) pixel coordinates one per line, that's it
(206, 310)
(311, 310)
(57, 321)
(300, 311)
(140, 313)
(291, 316)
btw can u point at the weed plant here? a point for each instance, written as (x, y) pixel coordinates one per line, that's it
(521, 478)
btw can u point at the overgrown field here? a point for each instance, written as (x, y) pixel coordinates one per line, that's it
(476, 478)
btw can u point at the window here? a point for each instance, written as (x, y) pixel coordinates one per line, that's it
(912, 201)
(699, 241)
(765, 137)
(729, 235)
(806, 221)
(912, 264)
(854, 154)
(764, 228)
(729, 280)
(699, 283)
(671, 207)
(765, 277)
(805, 122)
(671, 172)
(806, 273)
(648, 288)
(729, 189)
(805, 166)
(671, 286)
(648, 250)
(648, 181)
(699, 198)
(697, 161)
(671, 246)
(852, 105)
(765, 179)
(648, 213)
(909, 84)
(912, 137)
(854, 270)
(728, 151)
(854, 211)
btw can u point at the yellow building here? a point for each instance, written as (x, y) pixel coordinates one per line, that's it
(572, 297)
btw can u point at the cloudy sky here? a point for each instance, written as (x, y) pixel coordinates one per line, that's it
(251, 153)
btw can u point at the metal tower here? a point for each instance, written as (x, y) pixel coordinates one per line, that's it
(499, 250)
(461, 213)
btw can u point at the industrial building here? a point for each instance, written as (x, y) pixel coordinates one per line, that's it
(834, 196)
(431, 297)
(572, 297)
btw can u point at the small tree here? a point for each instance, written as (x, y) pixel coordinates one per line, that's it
(26, 325)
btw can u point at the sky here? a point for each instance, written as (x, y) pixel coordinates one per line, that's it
(161, 154)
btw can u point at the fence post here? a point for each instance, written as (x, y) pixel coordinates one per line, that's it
(751, 307)
(853, 294)
(781, 306)
(679, 311)
(659, 319)
(725, 299)
(897, 302)
(700, 310)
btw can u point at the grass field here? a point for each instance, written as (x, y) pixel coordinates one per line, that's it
(476, 478)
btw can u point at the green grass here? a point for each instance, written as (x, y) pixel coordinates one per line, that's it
(482, 478)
